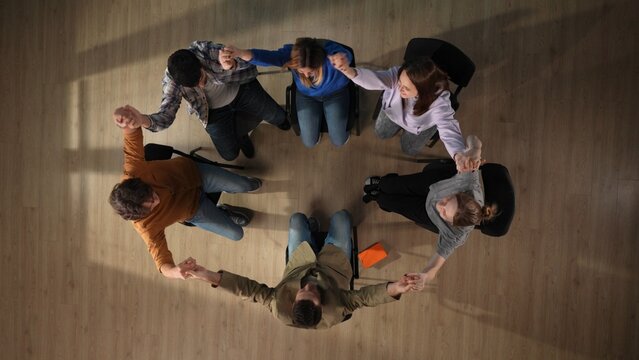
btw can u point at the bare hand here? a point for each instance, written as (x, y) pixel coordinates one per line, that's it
(226, 60)
(339, 61)
(231, 51)
(129, 117)
(420, 279)
(470, 159)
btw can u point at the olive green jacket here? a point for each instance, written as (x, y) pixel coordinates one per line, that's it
(333, 271)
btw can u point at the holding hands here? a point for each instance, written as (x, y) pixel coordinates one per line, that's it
(128, 117)
(231, 52)
(341, 63)
(470, 159)
(181, 270)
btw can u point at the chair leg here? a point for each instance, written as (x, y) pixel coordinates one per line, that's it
(193, 155)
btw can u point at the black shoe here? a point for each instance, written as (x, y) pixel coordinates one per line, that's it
(236, 214)
(371, 184)
(256, 183)
(285, 126)
(246, 145)
(368, 197)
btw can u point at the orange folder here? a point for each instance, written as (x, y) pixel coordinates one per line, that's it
(372, 255)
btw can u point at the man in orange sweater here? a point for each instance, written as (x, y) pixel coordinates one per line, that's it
(156, 194)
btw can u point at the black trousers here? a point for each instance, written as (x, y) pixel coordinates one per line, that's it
(406, 195)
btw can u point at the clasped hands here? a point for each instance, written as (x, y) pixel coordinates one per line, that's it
(128, 117)
(470, 159)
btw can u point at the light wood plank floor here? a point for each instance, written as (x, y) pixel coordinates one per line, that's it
(552, 99)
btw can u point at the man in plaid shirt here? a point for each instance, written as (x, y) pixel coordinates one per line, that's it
(216, 87)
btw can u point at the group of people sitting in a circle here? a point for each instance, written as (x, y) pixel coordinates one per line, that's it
(219, 84)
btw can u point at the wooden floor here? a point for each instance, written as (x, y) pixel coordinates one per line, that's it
(552, 99)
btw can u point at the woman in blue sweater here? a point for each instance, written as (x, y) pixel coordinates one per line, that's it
(321, 89)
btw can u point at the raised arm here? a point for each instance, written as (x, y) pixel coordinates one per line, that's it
(241, 286)
(383, 293)
(470, 159)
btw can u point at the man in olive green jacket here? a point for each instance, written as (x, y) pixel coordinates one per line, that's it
(314, 292)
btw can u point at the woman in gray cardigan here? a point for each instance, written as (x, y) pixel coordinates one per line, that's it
(450, 206)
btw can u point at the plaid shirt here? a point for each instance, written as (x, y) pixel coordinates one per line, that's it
(172, 93)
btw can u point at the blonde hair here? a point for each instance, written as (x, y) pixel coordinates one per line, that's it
(307, 53)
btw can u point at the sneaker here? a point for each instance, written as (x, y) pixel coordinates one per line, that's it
(256, 183)
(285, 126)
(238, 217)
(372, 180)
(319, 138)
(313, 224)
(372, 196)
(246, 145)
(371, 184)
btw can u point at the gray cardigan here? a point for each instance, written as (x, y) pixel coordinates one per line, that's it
(451, 237)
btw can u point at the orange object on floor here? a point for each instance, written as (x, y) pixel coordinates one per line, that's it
(372, 255)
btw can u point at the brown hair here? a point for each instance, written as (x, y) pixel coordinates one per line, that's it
(470, 213)
(128, 197)
(307, 53)
(427, 78)
(306, 313)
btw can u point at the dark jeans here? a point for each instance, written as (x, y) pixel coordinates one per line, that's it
(406, 195)
(245, 112)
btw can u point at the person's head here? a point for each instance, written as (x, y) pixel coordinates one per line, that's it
(307, 59)
(133, 199)
(186, 69)
(307, 308)
(421, 78)
(462, 209)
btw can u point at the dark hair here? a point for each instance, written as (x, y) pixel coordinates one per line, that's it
(307, 53)
(184, 68)
(427, 78)
(469, 212)
(306, 313)
(128, 197)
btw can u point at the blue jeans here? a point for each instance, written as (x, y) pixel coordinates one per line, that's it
(250, 106)
(208, 216)
(339, 233)
(334, 108)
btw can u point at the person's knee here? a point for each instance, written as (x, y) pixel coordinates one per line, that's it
(411, 150)
(298, 221)
(229, 154)
(343, 216)
(235, 234)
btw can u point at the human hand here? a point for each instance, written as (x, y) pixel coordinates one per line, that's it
(470, 159)
(339, 61)
(201, 273)
(226, 60)
(181, 270)
(421, 279)
(128, 117)
(234, 52)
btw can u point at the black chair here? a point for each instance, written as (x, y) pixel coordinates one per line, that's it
(164, 152)
(353, 111)
(498, 189)
(459, 67)
(320, 237)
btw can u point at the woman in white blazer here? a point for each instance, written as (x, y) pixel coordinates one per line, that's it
(416, 99)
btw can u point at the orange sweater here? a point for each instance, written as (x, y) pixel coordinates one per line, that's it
(178, 184)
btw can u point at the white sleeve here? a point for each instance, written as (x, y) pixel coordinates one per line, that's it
(376, 80)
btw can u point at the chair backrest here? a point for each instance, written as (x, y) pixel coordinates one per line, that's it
(498, 189)
(459, 67)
